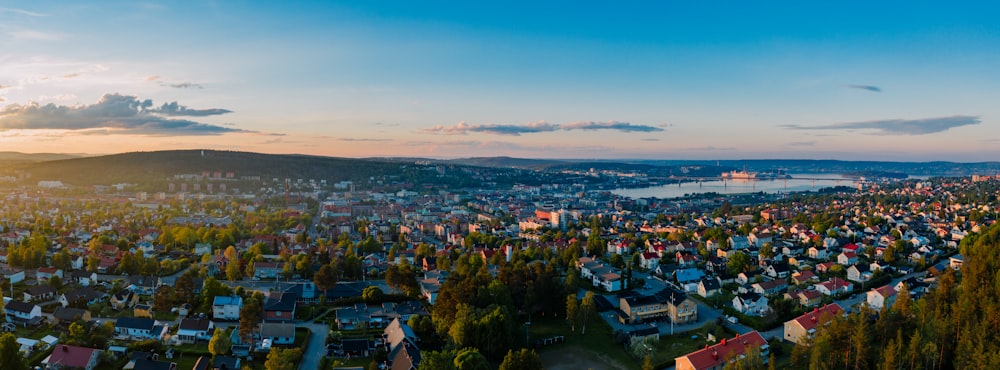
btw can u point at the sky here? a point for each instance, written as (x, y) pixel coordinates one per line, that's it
(849, 80)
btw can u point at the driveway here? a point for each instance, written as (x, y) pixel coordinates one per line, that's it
(317, 345)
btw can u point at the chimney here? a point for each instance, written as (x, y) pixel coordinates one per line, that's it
(65, 349)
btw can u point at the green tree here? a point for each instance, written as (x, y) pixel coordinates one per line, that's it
(372, 294)
(283, 359)
(587, 307)
(470, 359)
(572, 311)
(220, 343)
(738, 262)
(523, 359)
(10, 356)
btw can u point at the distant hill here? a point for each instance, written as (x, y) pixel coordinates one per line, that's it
(12, 158)
(139, 167)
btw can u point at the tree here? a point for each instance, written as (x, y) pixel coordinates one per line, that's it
(523, 359)
(220, 343)
(10, 356)
(250, 315)
(283, 359)
(572, 311)
(587, 307)
(738, 262)
(372, 294)
(163, 298)
(469, 358)
(325, 278)
(213, 288)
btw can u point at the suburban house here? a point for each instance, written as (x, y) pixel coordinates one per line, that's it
(805, 297)
(752, 304)
(82, 278)
(23, 313)
(881, 297)
(85, 296)
(847, 258)
(276, 333)
(193, 330)
(770, 287)
(601, 275)
(649, 260)
(68, 315)
(227, 307)
(804, 277)
(804, 327)
(834, 286)
(142, 310)
(43, 274)
(71, 357)
(267, 270)
(124, 299)
(717, 356)
(859, 273)
(14, 275)
(279, 306)
(39, 293)
(144, 285)
(777, 270)
(139, 328)
(709, 287)
(398, 334)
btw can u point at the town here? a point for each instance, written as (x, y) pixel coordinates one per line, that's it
(199, 272)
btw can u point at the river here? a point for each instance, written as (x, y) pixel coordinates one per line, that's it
(798, 183)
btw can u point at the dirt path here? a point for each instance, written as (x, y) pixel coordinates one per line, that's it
(573, 358)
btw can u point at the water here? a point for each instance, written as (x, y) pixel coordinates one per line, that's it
(799, 182)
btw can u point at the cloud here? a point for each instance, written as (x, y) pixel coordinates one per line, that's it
(650, 139)
(801, 143)
(361, 139)
(35, 35)
(920, 126)
(610, 125)
(186, 85)
(463, 128)
(152, 78)
(22, 12)
(865, 87)
(173, 109)
(113, 113)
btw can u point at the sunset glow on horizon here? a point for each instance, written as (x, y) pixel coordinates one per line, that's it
(856, 81)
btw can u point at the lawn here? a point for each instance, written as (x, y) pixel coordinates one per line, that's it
(672, 346)
(597, 344)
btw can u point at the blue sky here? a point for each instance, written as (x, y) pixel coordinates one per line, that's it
(668, 80)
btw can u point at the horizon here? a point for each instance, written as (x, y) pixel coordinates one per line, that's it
(553, 80)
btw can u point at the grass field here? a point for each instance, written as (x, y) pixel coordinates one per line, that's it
(595, 350)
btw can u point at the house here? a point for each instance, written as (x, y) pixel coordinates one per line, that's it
(23, 313)
(68, 315)
(667, 303)
(601, 275)
(834, 286)
(805, 297)
(82, 278)
(717, 356)
(847, 258)
(429, 263)
(139, 328)
(956, 261)
(738, 242)
(151, 362)
(13, 275)
(405, 357)
(649, 260)
(752, 304)
(267, 270)
(398, 333)
(881, 297)
(819, 253)
(227, 307)
(71, 357)
(824, 267)
(225, 363)
(770, 287)
(859, 273)
(43, 274)
(193, 330)
(709, 287)
(804, 327)
(124, 299)
(355, 347)
(144, 285)
(39, 293)
(142, 310)
(804, 277)
(276, 334)
(279, 306)
(689, 276)
(777, 270)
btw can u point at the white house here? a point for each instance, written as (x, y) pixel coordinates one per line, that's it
(193, 330)
(23, 311)
(881, 297)
(752, 304)
(139, 328)
(227, 308)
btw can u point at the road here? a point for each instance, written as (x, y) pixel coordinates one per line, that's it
(317, 345)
